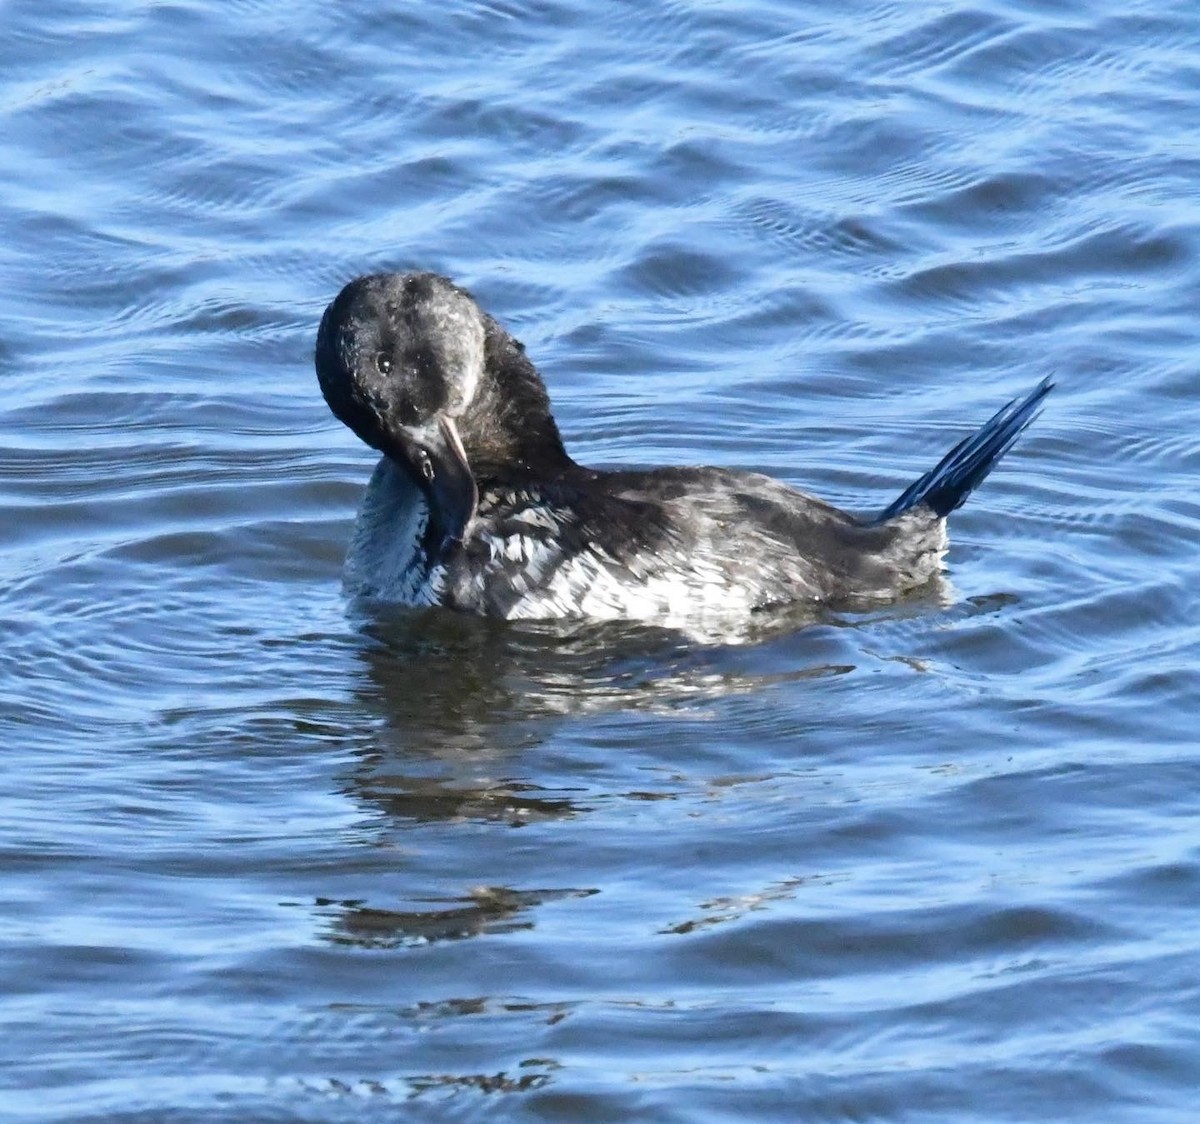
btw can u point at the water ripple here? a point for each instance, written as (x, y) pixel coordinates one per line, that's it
(270, 854)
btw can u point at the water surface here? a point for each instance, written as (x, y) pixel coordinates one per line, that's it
(267, 857)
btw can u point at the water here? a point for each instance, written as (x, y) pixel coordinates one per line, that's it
(267, 859)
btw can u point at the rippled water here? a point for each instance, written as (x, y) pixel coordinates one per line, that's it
(266, 859)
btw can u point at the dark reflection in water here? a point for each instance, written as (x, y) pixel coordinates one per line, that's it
(460, 701)
(456, 676)
(487, 909)
(424, 799)
(720, 911)
(534, 1073)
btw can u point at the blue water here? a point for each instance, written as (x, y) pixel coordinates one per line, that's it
(264, 858)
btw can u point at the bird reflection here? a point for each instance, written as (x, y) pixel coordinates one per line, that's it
(458, 701)
(486, 909)
(453, 687)
(459, 707)
(425, 799)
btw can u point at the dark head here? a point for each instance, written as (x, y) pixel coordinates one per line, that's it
(420, 372)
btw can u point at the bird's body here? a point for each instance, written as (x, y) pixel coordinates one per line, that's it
(669, 545)
(476, 506)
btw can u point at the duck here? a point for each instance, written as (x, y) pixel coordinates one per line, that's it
(476, 506)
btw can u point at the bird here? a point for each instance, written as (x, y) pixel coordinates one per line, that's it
(475, 504)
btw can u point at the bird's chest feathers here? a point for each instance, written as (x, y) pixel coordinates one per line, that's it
(525, 557)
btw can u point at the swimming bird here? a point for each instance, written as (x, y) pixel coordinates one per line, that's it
(476, 505)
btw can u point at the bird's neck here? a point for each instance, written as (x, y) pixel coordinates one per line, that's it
(508, 431)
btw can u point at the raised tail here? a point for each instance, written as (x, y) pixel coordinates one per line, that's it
(947, 485)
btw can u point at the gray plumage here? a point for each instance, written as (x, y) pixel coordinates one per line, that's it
(476, 505)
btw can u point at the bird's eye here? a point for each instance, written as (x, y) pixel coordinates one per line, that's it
(383, 363)
(426, 465)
